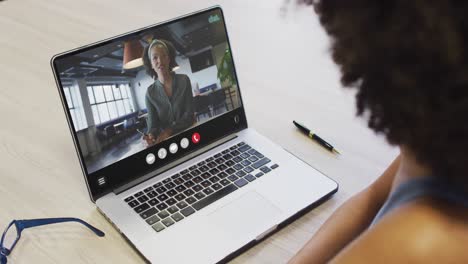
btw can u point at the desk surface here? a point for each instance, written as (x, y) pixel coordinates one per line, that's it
(281, 60)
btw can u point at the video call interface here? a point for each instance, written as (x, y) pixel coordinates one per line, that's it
(136, 92)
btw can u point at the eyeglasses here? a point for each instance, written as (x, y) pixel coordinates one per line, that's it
(15, 228)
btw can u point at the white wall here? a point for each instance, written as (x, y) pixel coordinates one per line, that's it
(140, 83)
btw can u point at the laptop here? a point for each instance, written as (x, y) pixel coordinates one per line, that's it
(161, 133)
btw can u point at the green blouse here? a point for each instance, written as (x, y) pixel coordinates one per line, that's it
(176, 112)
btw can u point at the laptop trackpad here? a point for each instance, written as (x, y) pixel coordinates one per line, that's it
(245, 214)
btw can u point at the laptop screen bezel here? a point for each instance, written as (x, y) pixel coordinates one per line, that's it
(118, 173)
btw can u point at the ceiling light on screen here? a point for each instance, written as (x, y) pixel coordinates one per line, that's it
(132, 54)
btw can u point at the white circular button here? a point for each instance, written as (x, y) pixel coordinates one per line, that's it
(184, 143)
(162, 153)
(173, 148)
(150, 158)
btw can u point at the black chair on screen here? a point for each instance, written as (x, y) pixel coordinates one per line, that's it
(202, 106)
(219, 101)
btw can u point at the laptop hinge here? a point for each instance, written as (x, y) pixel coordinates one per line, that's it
(173, 164)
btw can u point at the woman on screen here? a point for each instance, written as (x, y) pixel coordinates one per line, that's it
(169, 99)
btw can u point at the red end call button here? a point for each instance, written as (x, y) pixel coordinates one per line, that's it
(195, 138)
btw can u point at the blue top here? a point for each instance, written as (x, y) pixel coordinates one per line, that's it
(423, 187)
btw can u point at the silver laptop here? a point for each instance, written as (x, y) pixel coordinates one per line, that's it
(162, 137)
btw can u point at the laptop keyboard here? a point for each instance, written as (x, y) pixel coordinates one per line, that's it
(194, 188)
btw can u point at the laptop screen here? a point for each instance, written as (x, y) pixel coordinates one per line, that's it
(143, 90)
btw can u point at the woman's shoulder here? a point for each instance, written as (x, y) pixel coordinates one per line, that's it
(442, 220)
(430, 229)
(181, 76)
(183, 82)
(151, 89)
(423, 230)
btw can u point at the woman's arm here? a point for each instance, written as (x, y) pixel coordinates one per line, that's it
(348, 221)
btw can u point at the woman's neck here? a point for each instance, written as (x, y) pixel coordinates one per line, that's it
(164, 77)
(410, 168)
(166, 81)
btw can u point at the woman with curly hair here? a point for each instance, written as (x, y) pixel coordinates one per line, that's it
(408, 61)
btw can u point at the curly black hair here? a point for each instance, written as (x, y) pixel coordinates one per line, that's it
(408, 61)
(147, 62)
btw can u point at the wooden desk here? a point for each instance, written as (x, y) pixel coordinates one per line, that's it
(281, 61)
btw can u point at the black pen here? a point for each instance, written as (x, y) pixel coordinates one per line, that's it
(142, 133)
(315, 137)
